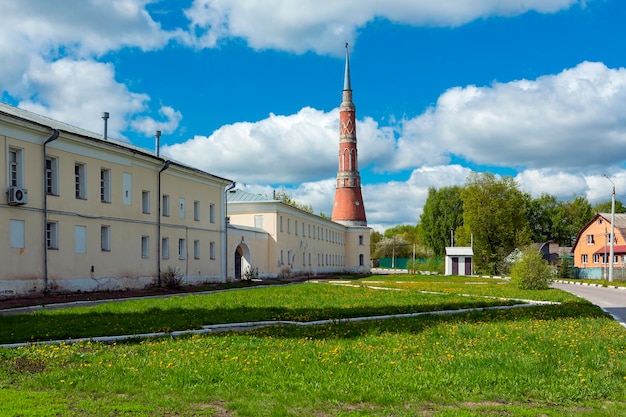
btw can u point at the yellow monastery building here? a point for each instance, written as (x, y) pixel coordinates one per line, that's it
(83, 212)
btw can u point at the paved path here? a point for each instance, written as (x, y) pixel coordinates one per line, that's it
(610, 299)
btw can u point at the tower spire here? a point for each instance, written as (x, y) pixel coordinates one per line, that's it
(346, 77)
(348, 208)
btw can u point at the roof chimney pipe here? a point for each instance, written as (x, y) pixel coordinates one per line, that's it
(158, 141)
(105, 117)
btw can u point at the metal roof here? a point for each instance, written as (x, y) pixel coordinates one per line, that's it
(47, 122)
(617, 249)
(459, 251)
(242, 196)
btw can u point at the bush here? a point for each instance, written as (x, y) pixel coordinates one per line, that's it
(250, 273)
(531, 271)
(171, 278)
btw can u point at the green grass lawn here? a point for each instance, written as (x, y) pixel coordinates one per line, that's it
(552, 360)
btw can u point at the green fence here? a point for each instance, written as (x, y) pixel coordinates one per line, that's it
(399, 263)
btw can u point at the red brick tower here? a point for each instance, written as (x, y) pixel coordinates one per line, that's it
(348, 208)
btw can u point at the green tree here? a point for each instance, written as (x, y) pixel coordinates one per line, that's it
(396, 247)
(570, 218)
(442, 213)
(375, 238)
(494, 212)
(531, 271)
(407, 232)
(606, 207)
(541, 213)
(287, 199)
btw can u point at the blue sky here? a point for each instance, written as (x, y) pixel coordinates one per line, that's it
(250, 89)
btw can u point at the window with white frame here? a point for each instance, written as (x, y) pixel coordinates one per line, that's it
(145, 246)
(80, 183)
(590, 240)
(596, 258)
(52, 235)
(16, 167)
(182, 249)
(181, 208)
(17, 234)
(196, 211)
(165, 248)
(127, 188)
(145, 202)
(52, 175)
(196, 249)
(105, 238)
(212, 250)
(258, 221)
(165, 205)
(105, 185)
(80, 239)
(212, 213)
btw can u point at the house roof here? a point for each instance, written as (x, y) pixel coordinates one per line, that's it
(25, 115)
(620, 225)
(459, 251)
(617, 249)
(243, 196)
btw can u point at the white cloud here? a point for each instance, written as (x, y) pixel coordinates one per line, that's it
(319, 26)
(548, 122)
(77, 92)
(148, 126)
(281, 149)
(48, 59)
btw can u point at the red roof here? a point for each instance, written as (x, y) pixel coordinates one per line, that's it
(617, 249)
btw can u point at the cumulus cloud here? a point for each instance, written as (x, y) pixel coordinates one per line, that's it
(316, 26)
(281, 149)
(541, 123)
(148, 126)
(49, 59)
(76, 92)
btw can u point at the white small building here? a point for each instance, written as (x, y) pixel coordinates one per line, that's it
(459, 260)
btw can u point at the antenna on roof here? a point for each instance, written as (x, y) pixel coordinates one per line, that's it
(105, 117)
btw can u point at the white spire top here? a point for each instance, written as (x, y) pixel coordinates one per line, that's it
(346, 79)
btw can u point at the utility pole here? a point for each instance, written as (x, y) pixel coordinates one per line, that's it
(612, 251)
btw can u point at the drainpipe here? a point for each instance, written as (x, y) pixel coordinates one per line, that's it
(226, 222)
(46, 290)
(158, 242)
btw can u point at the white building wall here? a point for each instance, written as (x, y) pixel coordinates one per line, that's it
(130, 214)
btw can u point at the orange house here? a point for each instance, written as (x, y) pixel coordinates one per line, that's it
(592, 247)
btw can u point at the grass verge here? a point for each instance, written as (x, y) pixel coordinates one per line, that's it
(552, 360)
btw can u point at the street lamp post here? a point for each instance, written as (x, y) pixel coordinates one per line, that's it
(612, 251)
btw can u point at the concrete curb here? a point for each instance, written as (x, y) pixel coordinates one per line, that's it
(616, 287)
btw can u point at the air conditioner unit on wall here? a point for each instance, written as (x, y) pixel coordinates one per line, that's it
(17, 196)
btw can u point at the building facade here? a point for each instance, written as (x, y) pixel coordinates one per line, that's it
(275, 239)
(86, 213)
(592, 246)
(82, 213)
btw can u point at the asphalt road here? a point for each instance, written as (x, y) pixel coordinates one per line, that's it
(611, 300)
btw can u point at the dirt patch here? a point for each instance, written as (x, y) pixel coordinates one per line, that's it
(57, 298)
